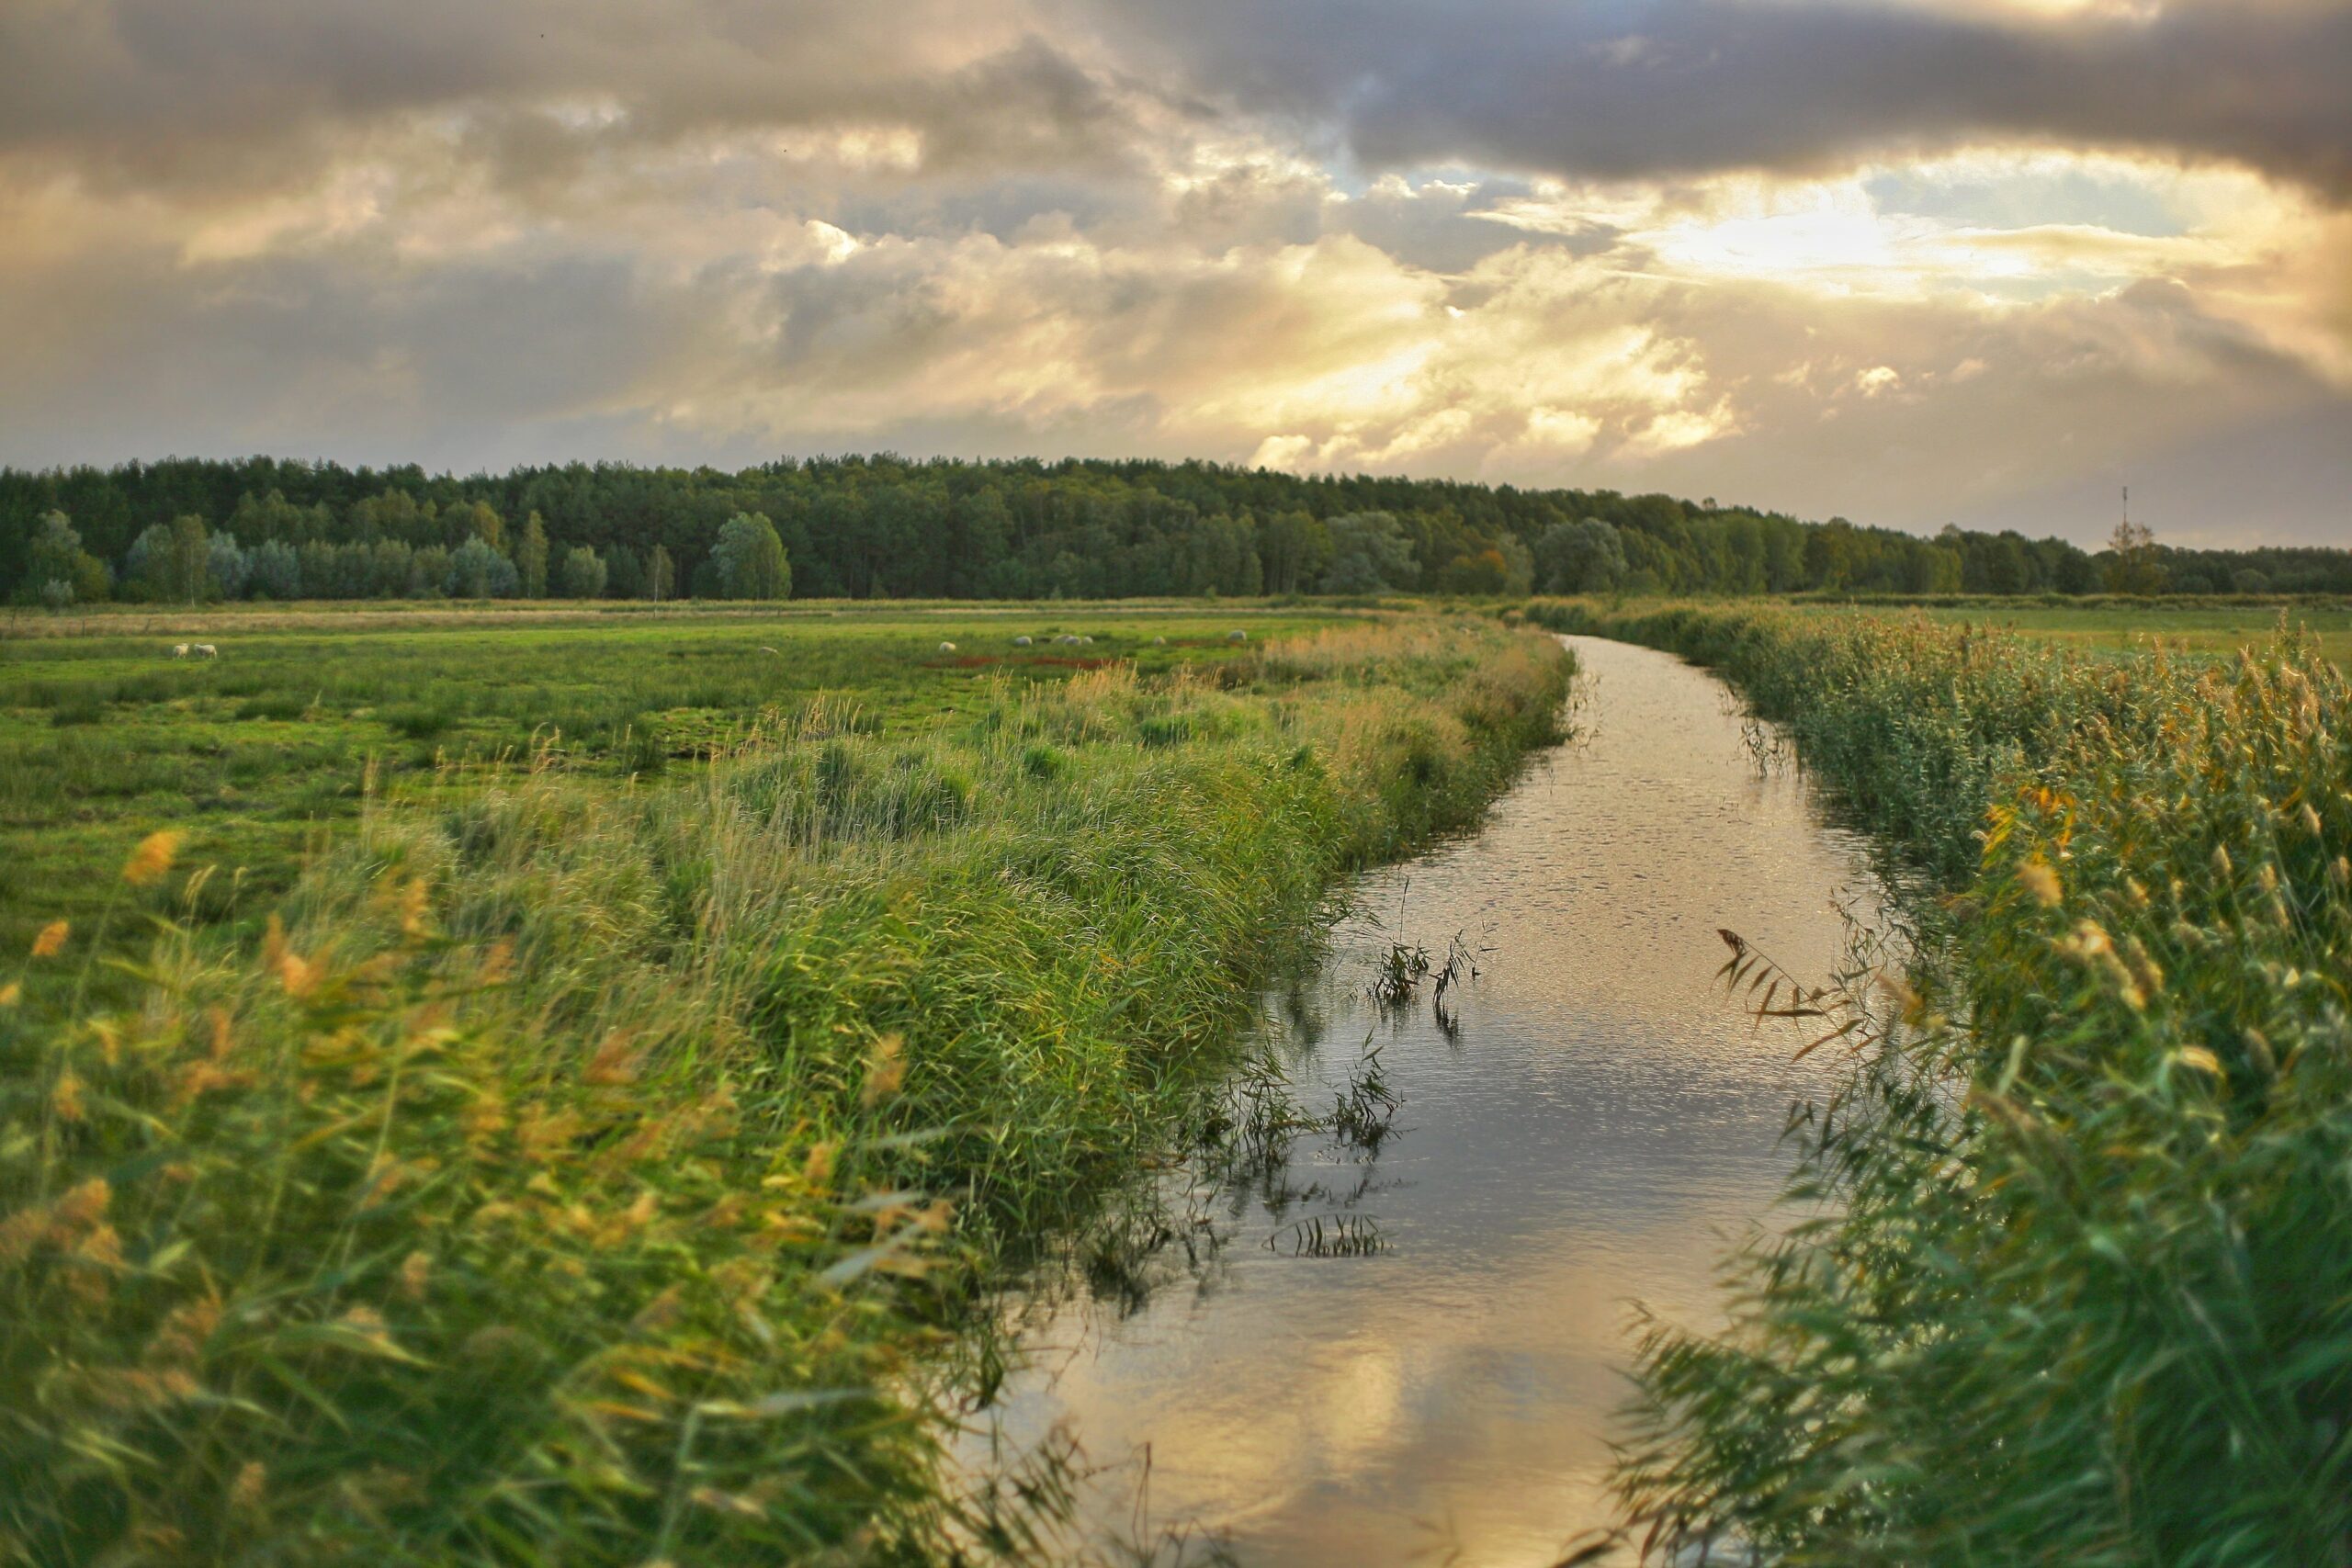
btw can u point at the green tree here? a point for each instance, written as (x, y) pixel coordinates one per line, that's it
(395, 514)
(1476, 571)
(624, 573)
(56, 548)
(475, 520)
(478, 571)
(191, 558)
(660, 575)
(1370, 554)
(58, 571)
(1296, 548)
(171, 560)
(1583, 557)
(276, 571)
(2133, 565)
(226, 565)
(428, 571)
(984, 531)
(750, 559)
(583, 573)
(531, 558)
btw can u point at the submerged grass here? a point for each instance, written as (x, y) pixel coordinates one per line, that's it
(577, 1170)
(2079, 1285)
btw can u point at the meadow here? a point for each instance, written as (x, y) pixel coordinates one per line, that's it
(253, 756)
(2204, 627)
(2070, 1275)
(593, 1155)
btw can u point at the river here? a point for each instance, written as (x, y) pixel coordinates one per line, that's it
(1588, 1127)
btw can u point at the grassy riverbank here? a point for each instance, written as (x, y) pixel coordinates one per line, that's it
(580, 1163)
(2082, 1296)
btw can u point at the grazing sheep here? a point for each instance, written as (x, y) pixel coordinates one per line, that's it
(947, 647)
(1236, 637)
(1022, 641)
(1065, 641)
(1087, 640)
(767, 651)
(206, 650)
(179, 650)
(1159, 642)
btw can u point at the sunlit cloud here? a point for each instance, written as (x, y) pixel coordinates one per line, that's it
(1025, 227)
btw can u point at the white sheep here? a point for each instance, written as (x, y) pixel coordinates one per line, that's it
(947, 647)
(767, 649)
(205, 650)
(1065, 641)
(1087, 640)
(1236, 637)
(1159, 642)
(1022, 641)
(179, 650)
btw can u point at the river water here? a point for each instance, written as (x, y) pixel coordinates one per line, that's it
(1590, 1129)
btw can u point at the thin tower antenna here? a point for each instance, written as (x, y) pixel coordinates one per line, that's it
(2127, 505)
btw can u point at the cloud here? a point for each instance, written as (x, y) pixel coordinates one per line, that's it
(247, 92)
(1663, 88)
(1686, 244)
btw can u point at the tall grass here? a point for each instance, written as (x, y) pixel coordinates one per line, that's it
(576, 1173)
(2081, 1289)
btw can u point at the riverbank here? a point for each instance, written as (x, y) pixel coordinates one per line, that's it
(575, 1167)
(1407, 1344)
(2081, 1297)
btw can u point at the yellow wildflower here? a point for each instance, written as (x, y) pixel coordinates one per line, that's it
(51, 939)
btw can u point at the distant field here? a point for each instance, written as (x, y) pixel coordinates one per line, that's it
(2219, 630)
(257, 752)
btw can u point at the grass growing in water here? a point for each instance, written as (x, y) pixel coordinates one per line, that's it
(577, 1169)
(2080, 1293)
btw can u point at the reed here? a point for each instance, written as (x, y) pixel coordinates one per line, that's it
(2072, 1274)
(579, 1171)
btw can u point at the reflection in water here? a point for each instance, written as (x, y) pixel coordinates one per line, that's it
(1581, 1129)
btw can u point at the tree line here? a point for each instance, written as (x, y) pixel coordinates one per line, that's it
(188, 529)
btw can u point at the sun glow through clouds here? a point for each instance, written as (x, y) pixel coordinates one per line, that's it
(1018, 236)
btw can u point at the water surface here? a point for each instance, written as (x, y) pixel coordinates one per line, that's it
(1596, 1124)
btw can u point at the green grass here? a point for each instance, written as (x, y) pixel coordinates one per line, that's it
(254, 755)
(2182, 626)
(596, 1169)
(2072, 1277)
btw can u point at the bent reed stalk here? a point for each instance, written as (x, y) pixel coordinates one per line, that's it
(2076, 1279)
(576, 1172)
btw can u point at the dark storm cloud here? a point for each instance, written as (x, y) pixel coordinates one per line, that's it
(167, 91)
(1639, 88)
(247, 91)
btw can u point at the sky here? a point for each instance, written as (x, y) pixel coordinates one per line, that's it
(1910, 261)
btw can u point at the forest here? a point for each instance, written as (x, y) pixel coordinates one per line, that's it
(187, 530)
